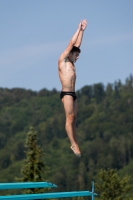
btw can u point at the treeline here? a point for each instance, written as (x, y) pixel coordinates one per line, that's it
(104, 130)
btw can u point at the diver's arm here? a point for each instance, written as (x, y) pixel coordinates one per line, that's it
(80, 36)
(71, 44)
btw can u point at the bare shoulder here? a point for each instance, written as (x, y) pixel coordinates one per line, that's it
(66, 52)
(61, 63)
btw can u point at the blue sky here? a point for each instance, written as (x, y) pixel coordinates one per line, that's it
(33, 34)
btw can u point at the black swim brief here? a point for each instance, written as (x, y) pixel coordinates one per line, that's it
(73, 94)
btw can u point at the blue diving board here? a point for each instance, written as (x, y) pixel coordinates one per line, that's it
(4, 186)
(48, 195)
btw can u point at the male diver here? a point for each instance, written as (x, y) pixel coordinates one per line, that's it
(67, 75)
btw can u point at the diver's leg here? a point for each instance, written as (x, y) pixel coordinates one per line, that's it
(75, 114)
(69, 106)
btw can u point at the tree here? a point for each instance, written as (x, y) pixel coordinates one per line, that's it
(109, 89)
(99, 92)
(34, 167)
(112, 187)
(88, 91)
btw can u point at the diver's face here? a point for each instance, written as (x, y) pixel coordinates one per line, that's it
(74, 56)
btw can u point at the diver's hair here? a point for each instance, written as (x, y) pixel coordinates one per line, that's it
(75, 49)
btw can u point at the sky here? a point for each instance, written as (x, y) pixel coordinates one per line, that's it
(33, 34)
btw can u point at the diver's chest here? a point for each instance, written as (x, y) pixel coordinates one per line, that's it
(70, 68)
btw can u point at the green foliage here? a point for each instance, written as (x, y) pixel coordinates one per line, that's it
(104, 132)
(34, 168)
(112, 187)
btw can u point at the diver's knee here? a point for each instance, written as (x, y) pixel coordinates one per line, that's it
(71, 118)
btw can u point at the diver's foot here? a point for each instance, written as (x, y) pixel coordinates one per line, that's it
(76, 150)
